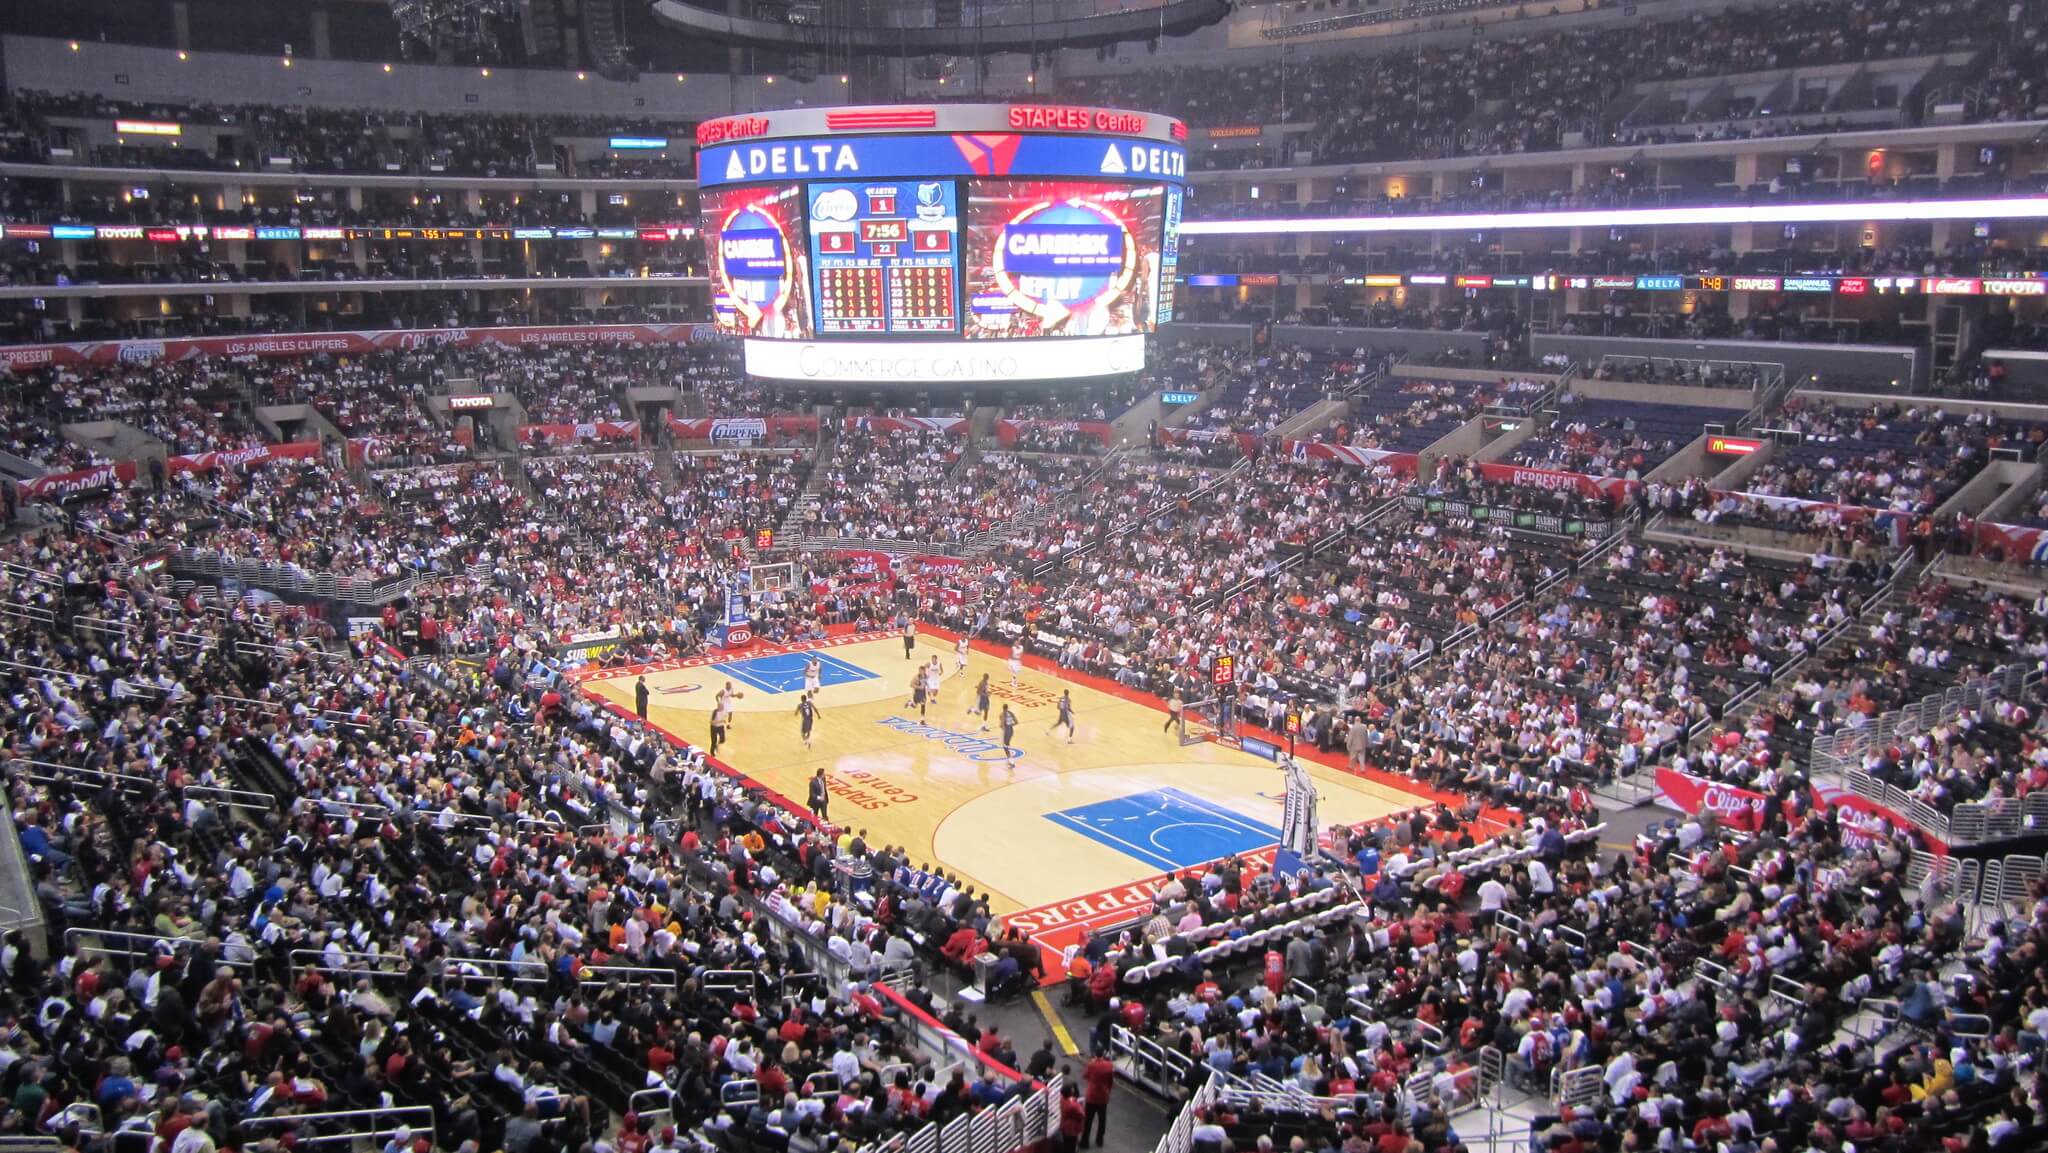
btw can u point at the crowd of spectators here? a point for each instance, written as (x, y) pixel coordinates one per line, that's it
(316, 139)
(475, 956)
(1613, 437)
(927, 486)
(396, 791)
(1546, 90)
(1886, 456)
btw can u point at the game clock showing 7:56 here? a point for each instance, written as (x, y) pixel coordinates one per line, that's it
(884, 254)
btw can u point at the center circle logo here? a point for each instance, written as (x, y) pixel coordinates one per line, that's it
(1057, 258)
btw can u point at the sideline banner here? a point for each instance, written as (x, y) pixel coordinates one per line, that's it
(1247, 443)
(576, 433)
(1735, 807)
(740, 429)
(59, 485)
(950, 425)
(239, 457)
(1610, 488)
(1008, 431)
(1401, 463)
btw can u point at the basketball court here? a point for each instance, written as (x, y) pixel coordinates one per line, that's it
(1061, 835)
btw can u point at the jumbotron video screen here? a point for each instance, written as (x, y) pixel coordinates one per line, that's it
(758, 257)
(1061, 258)
(881, 244)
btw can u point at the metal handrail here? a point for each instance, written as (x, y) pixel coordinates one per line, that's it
(228, 798)
(86, 939)
(419, 1119)
(523, 972)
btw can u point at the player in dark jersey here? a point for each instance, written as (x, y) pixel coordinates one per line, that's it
(1066, 716)
(807, 712)
(980, 706)
(1009, 723)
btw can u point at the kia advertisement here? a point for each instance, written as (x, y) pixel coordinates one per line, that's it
(760, 283)
(1062, 258)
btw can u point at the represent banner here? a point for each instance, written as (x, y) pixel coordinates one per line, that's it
(1737, 808)
(740, 429)
(1402, 463)
(1008, 431)
(950, 425)
(578, 433)
(1611, 488)
(33, 356)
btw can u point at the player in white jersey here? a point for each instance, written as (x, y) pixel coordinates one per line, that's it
(1016, 661)
(813, 676)
(934, 672)
(960, 655)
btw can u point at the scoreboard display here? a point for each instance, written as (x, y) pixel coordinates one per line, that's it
(911, 244)
(884, 254)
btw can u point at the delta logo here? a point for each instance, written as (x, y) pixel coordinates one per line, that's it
(790, 160)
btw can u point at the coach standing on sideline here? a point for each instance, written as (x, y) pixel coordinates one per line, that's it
(640, 697)
(821, 795)
(1357, 742)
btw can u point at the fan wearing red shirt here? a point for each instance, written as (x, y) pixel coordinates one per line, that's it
(1073, 1120)
(1100, 1078)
